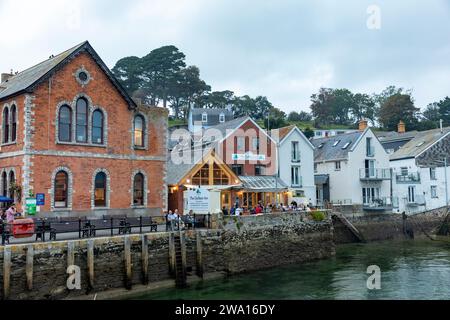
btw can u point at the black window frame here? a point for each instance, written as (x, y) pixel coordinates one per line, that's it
(13, 117)
(101, 127)
(61, 123)
(78, 125)
(136, 190)
(65, 191)
(105, 188)
(142, 144)
(5, 125)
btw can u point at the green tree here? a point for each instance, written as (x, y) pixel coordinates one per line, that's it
(308, 132)
(444, 111)
(398, 107)
(299, 116)
(275, 119)
(159, 70)
(432, 112)
(127, 71)
(321, 106)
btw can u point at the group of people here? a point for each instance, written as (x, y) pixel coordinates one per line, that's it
(175, 221)
(237, 210)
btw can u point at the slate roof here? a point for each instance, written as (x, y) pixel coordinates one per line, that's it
(328, 152)
(394, 140)
(27, 80)
(262, 183)
(421, 142)
(213, 115)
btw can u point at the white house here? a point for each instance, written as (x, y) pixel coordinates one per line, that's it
(201, 118)
(325, 133)
(296, 164)
(352, 170)
(419, 174)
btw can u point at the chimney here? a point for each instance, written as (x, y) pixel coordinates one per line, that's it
(5, 77)
(401, 127)
(362, 124)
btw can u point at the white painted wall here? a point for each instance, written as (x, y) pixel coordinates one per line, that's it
(423, 188)
(306, 167)
(345, 184)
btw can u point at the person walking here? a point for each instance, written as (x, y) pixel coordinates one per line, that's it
(11, 213)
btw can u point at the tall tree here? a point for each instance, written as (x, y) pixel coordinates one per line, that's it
(127, 71)
(160, 69)
(321, 106)
(444, 110)
(299, 116)
(398, 107)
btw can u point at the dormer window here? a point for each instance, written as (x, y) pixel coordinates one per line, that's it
(222, 118)
(204, 117)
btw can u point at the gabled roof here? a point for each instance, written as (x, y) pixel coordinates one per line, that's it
(326, 150)
(421, 142)
(29, 79)
(284, 132)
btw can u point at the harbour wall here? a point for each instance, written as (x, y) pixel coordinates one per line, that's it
(238, 244)
(390, 226)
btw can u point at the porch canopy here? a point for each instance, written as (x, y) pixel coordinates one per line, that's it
(321, 179)
(262, 184)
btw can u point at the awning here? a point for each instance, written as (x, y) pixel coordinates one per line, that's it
(262, 184)
(321, 179)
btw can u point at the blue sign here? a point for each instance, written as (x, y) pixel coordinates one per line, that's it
(40, 199)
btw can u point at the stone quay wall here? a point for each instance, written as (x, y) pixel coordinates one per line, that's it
(39, 270)
(391, 226)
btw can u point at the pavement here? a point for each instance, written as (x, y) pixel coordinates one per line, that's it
(75, 235)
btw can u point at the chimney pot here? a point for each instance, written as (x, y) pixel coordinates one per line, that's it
(5, 77)
(401, 127)
(362, 124)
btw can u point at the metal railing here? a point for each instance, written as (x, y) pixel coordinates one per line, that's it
(378, 203)
(374, 174)
(417, 200)
(341, 202)
(413, 177)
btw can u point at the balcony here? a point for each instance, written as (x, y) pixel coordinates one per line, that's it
(408, 178)
(372, 174)
(379, 204)
(416, 201)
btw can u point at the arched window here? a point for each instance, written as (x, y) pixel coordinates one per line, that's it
(97, 127)
(4, 184)
(61, 191)
(12, 181)
(139, 130)
(5, 125)
(100, 190)
(13, 123)
(65, 124)
(82, 120)
(138, 190)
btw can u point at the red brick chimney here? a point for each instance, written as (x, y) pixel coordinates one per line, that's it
(362, 124)
(401, 127)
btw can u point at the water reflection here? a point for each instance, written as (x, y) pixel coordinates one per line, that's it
(409, 270)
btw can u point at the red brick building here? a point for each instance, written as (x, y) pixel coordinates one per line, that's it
(70, 131)
(236, 157)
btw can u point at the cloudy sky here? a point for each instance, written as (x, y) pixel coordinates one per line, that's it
(283, 49)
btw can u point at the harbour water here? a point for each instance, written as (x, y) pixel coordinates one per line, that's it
(409, 270)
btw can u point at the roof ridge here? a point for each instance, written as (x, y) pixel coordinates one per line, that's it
(54, 57)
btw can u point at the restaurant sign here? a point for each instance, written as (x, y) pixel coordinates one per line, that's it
(198, 200)
(249, 156)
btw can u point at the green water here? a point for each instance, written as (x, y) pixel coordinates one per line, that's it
(409, 270)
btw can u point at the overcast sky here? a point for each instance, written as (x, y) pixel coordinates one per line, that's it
(285, 50)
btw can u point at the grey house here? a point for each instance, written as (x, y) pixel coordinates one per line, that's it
(199, 119)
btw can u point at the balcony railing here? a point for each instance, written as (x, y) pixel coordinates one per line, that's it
(341, 202)
(381, 203)
(374, 174)
(409, 178)
(417, 200)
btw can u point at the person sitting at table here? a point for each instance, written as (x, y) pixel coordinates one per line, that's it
(239, 211)
(259, 209)
(232, 211)
(224, 211)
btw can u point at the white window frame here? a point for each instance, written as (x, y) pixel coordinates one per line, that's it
(433, 192)
(295, 176)
(222, 118)
(295, 151)
(337, 166)
(204, 117)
